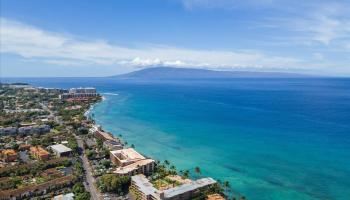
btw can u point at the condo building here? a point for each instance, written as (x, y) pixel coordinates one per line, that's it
(79, 93)
(108, 140)
(34, 129)
(129, 162)
(142, 189)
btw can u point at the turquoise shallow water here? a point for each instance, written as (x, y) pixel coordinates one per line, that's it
(271, 138)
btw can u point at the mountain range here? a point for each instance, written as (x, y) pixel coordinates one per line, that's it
(171, 73)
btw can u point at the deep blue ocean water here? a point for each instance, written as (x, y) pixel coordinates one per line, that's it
(272, 139)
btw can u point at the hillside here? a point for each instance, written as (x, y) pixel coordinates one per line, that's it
(170, 73)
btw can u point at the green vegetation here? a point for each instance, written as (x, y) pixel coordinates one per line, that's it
(79, 169)
(106, 163)
(214, 189)
(72, 143)
(40, 106)
(80, 192)
(113, 183)
(90, 154)
(33, 169)
(45, 140)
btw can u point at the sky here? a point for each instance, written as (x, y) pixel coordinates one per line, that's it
(82, 38)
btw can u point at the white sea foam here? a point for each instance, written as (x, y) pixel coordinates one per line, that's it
(110, 93)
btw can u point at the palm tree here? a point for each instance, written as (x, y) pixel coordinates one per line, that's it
(186, 174)
(173, 170)
(197, 170)
(166, 162)
(181, 172)
(133, 146)
(226, 185)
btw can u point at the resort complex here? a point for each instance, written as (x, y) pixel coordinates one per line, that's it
(50, 148)
(141, 188)
(79, 93)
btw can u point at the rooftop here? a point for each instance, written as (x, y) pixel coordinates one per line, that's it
(128, 154)
(188, 187)
(60, 148)
(144, 185)
(69, 196)
(38, 150)
(9, 152)
(133, 166)
(147, 188)
(106, 135)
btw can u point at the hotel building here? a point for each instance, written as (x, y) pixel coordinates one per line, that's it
(142, 189)
(129, 162)
(79, 93)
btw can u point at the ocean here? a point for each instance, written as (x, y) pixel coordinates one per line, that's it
(272, 139)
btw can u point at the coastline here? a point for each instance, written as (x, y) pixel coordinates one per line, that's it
(220, 189)
(113, 115)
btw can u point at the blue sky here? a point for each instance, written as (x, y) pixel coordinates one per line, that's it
(101, 38)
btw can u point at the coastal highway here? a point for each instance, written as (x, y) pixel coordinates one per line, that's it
(95, 194)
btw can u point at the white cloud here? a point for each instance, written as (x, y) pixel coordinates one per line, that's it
(311, 23)
(54, 48)
(323, 27)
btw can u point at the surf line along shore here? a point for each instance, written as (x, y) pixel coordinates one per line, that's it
(162, 176)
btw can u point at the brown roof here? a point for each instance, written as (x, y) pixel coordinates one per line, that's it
(38, 150)
(32, 188)
(9, 152)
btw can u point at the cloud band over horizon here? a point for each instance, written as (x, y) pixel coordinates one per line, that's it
(48, 47)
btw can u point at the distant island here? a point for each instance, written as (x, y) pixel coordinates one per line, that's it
(173, 73)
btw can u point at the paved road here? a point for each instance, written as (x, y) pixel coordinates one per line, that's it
(95, 194)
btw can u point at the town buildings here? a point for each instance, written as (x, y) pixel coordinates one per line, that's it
(39, 153)
(34, 129)
(8, 130)
(130, 162)
(38, 189)
(61, 150)
(79, 93)
(25, 130)
(8, 155)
